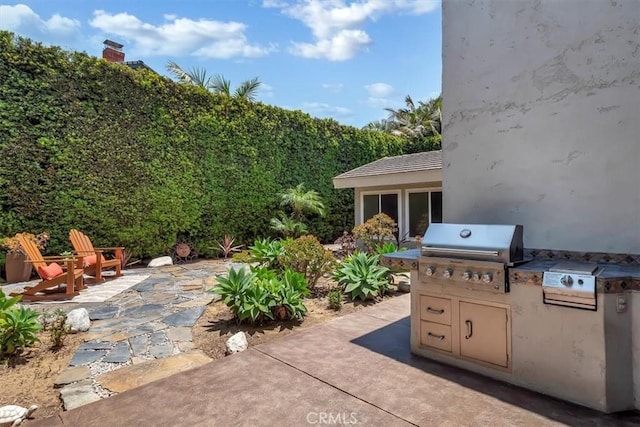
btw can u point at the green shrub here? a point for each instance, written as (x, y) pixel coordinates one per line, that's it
(362, 277)
(267, 252)
(335, 298)
(263, 293)
(79, 136)
(18, 326)
(376, 231)
(242, 256)
(306, 255)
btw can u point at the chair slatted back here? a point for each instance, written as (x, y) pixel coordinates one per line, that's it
(81, 242)
(32, 251)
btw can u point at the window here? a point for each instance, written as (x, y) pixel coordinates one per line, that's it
(424, 208)
(373, 204)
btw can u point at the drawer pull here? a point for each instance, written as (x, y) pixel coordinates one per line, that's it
(439, 337)
(469, 329)
(434, 311)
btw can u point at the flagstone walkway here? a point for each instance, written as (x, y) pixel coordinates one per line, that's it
(141, 334)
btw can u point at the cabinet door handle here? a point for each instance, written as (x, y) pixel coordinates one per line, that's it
(434, 311)
(469, 329)
(439, 337)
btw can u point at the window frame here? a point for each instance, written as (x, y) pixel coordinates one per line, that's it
(408, 191)
(379, 193)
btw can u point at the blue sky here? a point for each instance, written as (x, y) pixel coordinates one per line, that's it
(331, 58)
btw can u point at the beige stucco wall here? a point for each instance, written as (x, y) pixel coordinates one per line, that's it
(540, 117)
(541, 107)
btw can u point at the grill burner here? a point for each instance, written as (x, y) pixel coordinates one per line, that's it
(471, 256)
(571, 284)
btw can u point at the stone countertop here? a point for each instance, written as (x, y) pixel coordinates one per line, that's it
(607, 271)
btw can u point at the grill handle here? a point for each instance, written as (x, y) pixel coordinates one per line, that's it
(462, 251)
(469, 329)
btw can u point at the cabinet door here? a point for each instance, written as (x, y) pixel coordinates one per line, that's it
(483, 333)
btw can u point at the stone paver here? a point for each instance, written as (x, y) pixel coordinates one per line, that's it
(153, 370)
(72, 375)
(144, 316)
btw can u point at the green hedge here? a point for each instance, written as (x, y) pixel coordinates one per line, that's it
(132, 158)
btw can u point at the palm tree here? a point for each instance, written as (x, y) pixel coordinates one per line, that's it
(378, 125)
(300, 201)
(416, 122)
(289, 227)
(247, 89)
(196, 76)
(217, 83)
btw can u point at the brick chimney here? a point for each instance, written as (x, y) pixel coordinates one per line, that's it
(112, 51)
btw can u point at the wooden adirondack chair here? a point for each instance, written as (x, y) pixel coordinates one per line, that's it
(51, 282)
(94, 259)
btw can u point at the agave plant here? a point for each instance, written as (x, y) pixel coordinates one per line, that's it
(362, 277)
(233, 287)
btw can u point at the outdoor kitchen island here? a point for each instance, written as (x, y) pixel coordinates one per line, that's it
(522, 322)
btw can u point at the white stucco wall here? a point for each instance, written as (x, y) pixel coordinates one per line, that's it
(542, 120)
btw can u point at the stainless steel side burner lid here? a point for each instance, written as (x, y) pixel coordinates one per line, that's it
(571, 284)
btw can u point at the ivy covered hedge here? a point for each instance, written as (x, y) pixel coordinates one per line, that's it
(132, 158)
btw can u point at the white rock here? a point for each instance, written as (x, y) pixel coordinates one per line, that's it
(237, 343)
(78, 320)
(159, 262)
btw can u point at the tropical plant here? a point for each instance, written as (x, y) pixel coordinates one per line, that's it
(301, 200)
(232, 287)
(216, 83)
(18, 326)
(247, 90)
(227, 246)
(288, 227)
(307, 256)
(263, 293)
(419, 121)
(376, 231)
(362, 277)
(266, 252)
(335, 298)
(387, 248)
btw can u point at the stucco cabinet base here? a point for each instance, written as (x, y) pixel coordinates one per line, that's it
(576, 355)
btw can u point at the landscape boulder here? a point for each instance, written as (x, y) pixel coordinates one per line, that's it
(237, 343)
(161, 261)
(78, 320)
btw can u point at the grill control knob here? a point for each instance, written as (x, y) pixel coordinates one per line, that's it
(447, 273)
(467, 275)
(476, 277)
(487, 277)
(430, 271)
(566, 280)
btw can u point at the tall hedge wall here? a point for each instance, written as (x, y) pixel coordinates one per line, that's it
(134, 159)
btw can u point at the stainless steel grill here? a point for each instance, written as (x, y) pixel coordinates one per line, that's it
(473, 256)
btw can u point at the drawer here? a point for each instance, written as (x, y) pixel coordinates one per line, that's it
(435, 335)
(433, 309)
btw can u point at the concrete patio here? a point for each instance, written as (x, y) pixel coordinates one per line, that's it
(356, 369)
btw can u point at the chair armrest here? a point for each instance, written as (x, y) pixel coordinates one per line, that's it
(54, 258)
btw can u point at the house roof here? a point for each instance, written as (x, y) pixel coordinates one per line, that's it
(398, 164)
(410, 166)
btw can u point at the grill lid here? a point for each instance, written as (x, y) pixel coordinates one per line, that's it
(474, 241)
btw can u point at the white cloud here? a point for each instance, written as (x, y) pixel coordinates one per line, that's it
(337, 24)
(266, 90)
(321, 109)
(333, 87)
(180, 36)
(24, 21)
(379, 90)
(340, 47)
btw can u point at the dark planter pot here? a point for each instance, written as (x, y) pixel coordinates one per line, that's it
(17, 269)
